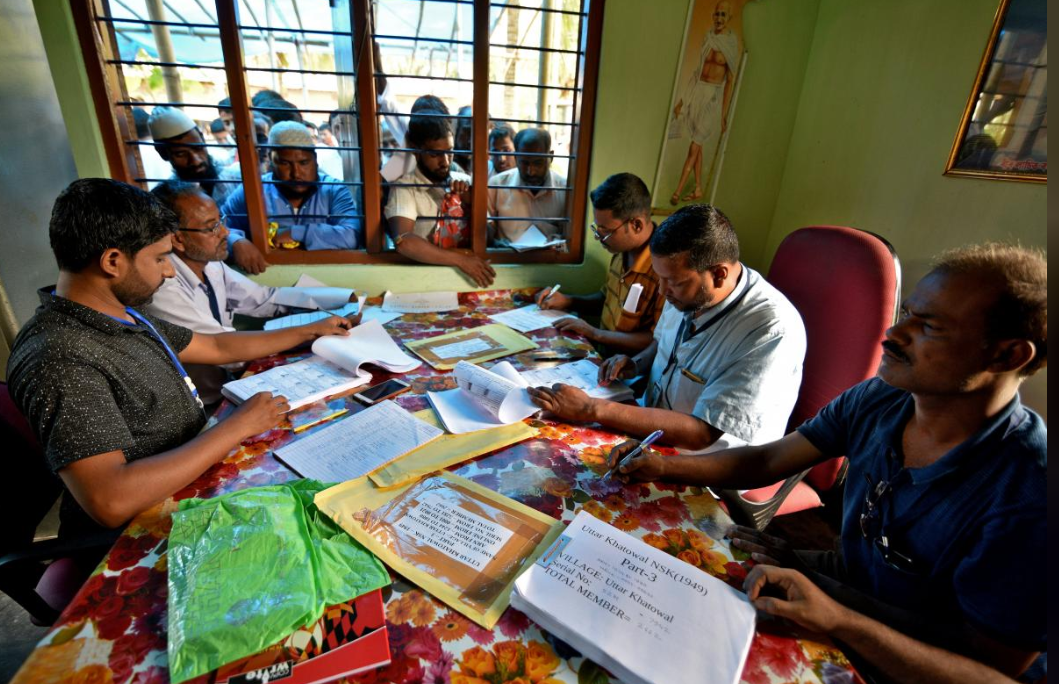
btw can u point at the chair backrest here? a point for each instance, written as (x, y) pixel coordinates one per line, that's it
(846, 284)
(25, 468)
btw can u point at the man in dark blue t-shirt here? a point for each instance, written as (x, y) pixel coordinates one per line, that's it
(945, 503)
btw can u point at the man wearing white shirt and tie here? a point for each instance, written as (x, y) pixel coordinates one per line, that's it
(205, 293)
(725, 365)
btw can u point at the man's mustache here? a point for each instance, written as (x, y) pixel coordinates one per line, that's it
(895, 350)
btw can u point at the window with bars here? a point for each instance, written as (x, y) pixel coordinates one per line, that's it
(379, 85)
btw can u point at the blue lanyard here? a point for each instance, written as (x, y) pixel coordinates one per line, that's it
(168, 350)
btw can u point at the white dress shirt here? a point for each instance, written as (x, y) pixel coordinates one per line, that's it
(509, 201)
(741, 368)
(184, 300)
(415, 202)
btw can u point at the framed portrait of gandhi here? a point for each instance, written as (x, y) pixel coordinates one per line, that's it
(707, 81)
(1004, 130)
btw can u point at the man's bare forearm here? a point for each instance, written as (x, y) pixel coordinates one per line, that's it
(114, 491)
(417, 249)
(624, 342)
(905, 659)
(681, 430)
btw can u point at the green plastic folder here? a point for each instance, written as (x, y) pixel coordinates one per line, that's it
(248, 568)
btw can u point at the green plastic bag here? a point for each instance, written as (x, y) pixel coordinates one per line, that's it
(248, 568)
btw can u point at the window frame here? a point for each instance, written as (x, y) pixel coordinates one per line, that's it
(97, 38)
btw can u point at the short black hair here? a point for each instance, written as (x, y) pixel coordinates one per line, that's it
(499, 132)
(422, 128)
(624, 195)
(170, 192)
(225, 105)
(140, 117)
(262, 95)
(216, 126)
(533, 136)
(93, 215)
(429, 103)
(279, 109)
(701, 230)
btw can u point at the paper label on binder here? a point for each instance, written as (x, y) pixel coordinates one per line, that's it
(458, 533)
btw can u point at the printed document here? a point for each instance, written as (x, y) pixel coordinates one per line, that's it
(335, 367)
(359, 444)
(483, 399)
(475, 345)
(294, 320)
(420, 302)
(584, 375)
(665, 620)
(533, 238)
(530, 318)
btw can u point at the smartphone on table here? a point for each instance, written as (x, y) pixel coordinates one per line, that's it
(383, 391)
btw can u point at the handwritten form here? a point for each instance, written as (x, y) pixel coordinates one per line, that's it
(420, 302)
(359, 444)
(530, 318)
(301, 383)
(584, 375)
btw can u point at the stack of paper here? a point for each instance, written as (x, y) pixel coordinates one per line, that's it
(420, 302)
(637, 611)
(533, 238)
(530, 318)
(584, 376)
(357, 445)
(335, 368)
(484, 399)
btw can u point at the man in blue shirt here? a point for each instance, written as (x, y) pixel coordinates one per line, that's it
(945, 503)
(310, 207)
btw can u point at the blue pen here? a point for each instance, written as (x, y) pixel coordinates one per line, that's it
(651, 439)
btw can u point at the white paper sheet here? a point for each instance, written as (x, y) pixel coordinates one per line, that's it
(366, 343)
(375, 313)
(420, 302)
(664, 620)
(529, 318)
(484, 399)
(301, 383)
(355, 446)
(458, 533)
(581, 374)
(533, 238)
(461, 349)
(295, 320)
(308, 281)
(335, 367)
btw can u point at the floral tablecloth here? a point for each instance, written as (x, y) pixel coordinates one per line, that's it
(114, 631)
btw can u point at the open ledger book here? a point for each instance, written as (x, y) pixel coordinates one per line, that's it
(335, 367)
(484, 399)
(646, 616)
(489, 398)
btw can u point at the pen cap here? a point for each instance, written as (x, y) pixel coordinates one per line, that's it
(633, 299)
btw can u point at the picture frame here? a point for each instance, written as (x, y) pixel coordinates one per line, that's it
(1003, 132)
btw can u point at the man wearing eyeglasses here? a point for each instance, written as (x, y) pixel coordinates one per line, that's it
(726, 361)
(621, 207)
(945, 502)
(205, 293)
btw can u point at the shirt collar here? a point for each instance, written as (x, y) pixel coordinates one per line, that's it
(641, 260)
(85, 314)
(740, 285)
(967, 451)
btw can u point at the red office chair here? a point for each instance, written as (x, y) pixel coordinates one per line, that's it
(846, 284)
(41, 576)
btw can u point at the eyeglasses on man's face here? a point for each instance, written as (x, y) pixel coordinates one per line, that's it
(603, 234)
(211, 229)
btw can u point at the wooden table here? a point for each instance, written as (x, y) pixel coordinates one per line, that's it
(115, 628)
